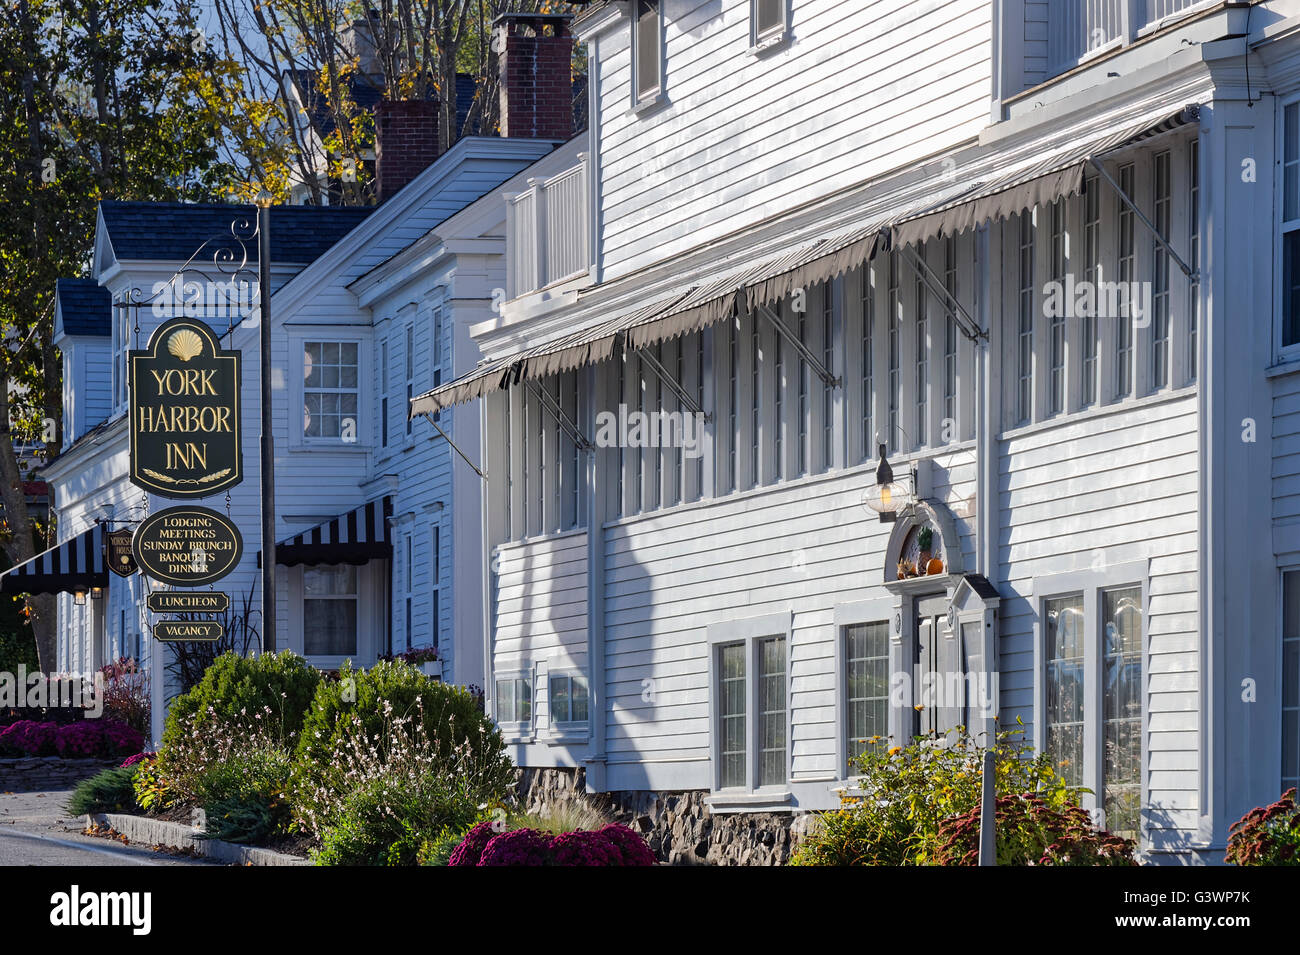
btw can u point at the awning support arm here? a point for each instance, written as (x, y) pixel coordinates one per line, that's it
(1124, 198)
(454, 447)
(812, 360)
(563, 419)
(940, 291)
(673, 384)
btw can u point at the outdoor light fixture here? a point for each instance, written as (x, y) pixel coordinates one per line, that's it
(96, 593)
(79, 597)
(887, 496)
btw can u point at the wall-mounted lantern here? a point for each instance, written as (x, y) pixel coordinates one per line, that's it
(887, 496)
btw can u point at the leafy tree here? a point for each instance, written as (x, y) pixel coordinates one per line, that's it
(93, 109)
(289, 73)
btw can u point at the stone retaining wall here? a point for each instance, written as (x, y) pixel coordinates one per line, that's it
(679, 827)
(29, 774)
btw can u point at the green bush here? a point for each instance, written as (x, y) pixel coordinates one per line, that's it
(388, 822)
(282, 682)
(907, 792)
(395, 690)
(17, 645)
(110, 791)
(1268, 835)
(241, 819)
(1030, 832)
(152, 793)
(438, 850)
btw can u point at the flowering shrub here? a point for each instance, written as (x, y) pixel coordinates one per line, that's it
(243, 756)
(1267, 835)
(152, 794)
(517, 847)
(29, 738)
(906, 792)
(1031, 832)
(631, 847)
(81, 740)
(613, 845)
(137, 758)
(126, 693)
(585, 848)
(471, 847)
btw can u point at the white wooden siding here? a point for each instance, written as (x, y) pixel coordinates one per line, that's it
(862, 89)
(1130, 493)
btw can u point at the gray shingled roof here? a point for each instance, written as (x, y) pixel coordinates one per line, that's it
(85, 307)
(172, 231)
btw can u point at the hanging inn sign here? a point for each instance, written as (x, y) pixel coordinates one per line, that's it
(184, 405)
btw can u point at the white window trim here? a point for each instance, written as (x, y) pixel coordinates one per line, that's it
(879, 610)
(1281, 353)
(1091, 583)
(298, 440)
(749, 631)
(641, 102)
(567, 731)
(370, 626)
(410, 337)
(771, 38)
(516, 731)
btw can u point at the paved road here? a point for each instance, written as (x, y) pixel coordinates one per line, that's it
(35, 830)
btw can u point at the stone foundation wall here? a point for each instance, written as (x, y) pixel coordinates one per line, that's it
(679, 827)
(29, 774)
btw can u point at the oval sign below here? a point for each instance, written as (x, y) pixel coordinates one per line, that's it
(187, 546)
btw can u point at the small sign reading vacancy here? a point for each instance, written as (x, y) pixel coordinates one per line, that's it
(187, 546)
(189, 601)
(187, 630)
(184, 412)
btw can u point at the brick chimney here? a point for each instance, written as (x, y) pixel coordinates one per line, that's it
(534, 54)
(406, 142)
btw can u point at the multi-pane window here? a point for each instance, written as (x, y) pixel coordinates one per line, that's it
(731, 715)
(1025, 321)
(383, 401)
(1056, 331)
(121, 345)
(771, 711)
(1160, 272)
(895, 332)
(410, 376)
(828, 361)
(755, 404)
(950, 336)
(646, 48)
(676, 489)
(805, 374)
(1064, 635)
(568, 698)
(922, 382)
(329, 394)
(1194, 247)
(329, 610)
(548, 468)
(866, 658)
(619, 506)
(435, 358)
(514, 702)
(868, 363)
(1290, 679)
(1124, 320)
(1121, 646)
(435, 586)
(1291, 226)
(1089, 372)
(409, 574)
(769, 18)
(733, 406)
(778, 405)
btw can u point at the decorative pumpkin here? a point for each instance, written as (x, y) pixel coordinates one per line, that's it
(935, 566)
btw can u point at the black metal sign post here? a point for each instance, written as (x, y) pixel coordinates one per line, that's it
(268, 439)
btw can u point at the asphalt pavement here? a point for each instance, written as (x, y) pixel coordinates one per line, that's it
(36, 830)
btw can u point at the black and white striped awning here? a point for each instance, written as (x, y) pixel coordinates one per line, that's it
(356, 537)
(76, 564)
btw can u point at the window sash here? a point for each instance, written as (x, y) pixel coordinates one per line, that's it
(732, 744)
(772, 711)
(1121, 635)
(1125, 268)
(1066, 683)
(866, 685)
(1290, 679)
(647, 48)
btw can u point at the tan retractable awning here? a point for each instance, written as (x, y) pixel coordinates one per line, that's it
(1057, 175)
(674, 315)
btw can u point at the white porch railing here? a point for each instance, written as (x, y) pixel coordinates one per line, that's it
(548, 231)
(1076, 28)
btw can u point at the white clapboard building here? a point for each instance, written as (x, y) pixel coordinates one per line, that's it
(378, 535)
(1036, 261)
